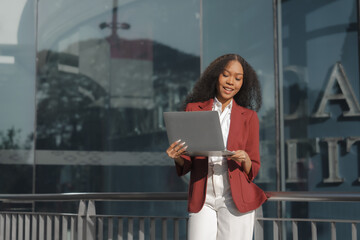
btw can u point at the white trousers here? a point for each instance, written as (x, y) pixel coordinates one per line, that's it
(219, 219)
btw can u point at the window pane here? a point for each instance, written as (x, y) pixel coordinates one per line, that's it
(245, 28)
(321, 84)
(107, 72)
(17, 95)
(232, 33)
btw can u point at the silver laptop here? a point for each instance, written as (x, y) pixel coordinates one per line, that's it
(200, 130)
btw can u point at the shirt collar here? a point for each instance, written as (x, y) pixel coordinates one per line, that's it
(218, 104)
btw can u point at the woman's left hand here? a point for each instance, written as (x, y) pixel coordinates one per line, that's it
(240, 156)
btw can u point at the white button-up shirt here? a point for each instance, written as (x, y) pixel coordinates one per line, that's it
(224, 117)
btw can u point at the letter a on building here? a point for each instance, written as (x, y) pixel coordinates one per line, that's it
(346, 93)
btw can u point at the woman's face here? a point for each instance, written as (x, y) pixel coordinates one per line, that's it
(230, 82)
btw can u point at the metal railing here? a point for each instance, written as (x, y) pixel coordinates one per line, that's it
(86, 224)
(278, 223)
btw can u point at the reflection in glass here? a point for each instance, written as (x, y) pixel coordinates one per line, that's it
(17, 95)
(107, 70)
(104, 83)
(314, 44)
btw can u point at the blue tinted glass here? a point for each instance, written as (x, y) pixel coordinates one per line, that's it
(107, 72)
(245, 28)
(17, 95)
(321, 104)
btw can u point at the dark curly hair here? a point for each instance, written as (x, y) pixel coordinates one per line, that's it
(249, 95)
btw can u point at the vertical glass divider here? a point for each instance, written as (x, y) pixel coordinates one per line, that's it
(358, 30)
(36, 15)
(278, 77)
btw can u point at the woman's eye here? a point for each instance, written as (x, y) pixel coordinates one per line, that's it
(238, 79)
(225, 75)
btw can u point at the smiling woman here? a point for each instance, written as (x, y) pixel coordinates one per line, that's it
(249, 94)
(222, 195)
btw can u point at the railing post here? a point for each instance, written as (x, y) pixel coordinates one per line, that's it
(353, 231)
(333, 231)
(276, 229)
(141, 228)
(130, 228)
(80, 220)
(313, 231)
(164, 229)
(152, 228)
(90, 220)
(2, 226)
(259, 224)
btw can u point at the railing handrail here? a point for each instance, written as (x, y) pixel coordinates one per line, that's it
(176, 196)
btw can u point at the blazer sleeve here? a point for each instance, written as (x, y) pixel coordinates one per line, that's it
(252, 147)
(182, 170)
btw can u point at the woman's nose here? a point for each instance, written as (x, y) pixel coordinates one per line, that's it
(230, 80)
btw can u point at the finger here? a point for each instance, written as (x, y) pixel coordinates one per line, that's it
(175, 143)
(182, 150)
(179, 146)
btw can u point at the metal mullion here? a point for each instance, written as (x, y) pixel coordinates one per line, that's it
(295, 230)
(164, 228)
(13, 226)
(176, 229)
(7, 226)
(56, 227)
(41, 227)
(27, 227)
(313, 231)
(276, 230)
(72, 228)
(152, 228)
(64, 228)
(141, 229)
(358, 30)
(187, 228)
(110, 228)
(20, 227)
(48, 227)
(280, 152)
(353, 231)
(333, 230)
(120, 229)
(2, 226)
(130, 228)
(34, 221)
(100, 230)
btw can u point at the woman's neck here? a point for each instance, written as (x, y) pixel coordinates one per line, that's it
(224, 103)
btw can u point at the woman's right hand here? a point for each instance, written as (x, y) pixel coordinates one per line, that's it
(175, 151)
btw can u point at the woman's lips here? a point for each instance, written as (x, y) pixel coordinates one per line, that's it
(228, 90)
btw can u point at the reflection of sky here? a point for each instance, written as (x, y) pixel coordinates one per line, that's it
(17, 67)
(10, 15)
(316, 20)
(173, 23)
(325, 49)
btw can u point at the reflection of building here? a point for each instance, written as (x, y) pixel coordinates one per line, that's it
(137, 84)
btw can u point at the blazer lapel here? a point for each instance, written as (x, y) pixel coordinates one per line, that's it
(237, 123)
(206, 106)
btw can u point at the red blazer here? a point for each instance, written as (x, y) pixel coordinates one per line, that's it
(243, 135)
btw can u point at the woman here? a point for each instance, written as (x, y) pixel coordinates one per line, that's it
(222, 197)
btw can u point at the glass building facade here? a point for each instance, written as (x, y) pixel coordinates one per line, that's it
(83, 86)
